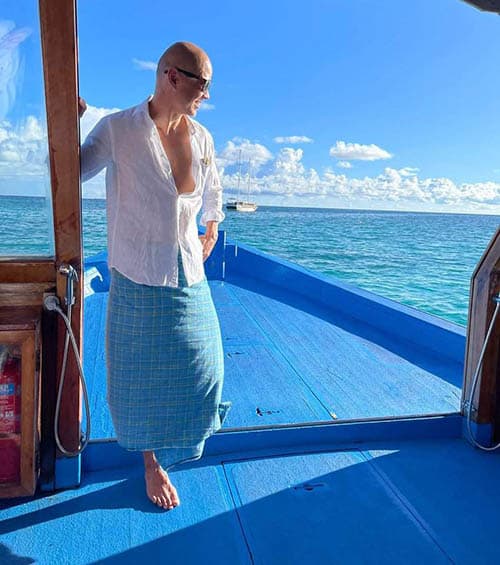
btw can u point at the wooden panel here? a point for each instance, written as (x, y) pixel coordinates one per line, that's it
(24, 294)
(58, 31)
(25, 318)
(485, 284)
(27, 270)
(29, 411)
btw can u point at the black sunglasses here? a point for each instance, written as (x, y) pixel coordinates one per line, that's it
(205, 83)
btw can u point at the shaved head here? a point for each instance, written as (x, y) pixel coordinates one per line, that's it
(187, 56)
(183, 77)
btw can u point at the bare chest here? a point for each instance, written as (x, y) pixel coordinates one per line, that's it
(178, 149)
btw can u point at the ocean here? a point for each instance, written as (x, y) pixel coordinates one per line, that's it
(422, 260)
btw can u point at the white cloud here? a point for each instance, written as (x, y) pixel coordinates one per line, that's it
(344, 165)
(293, 139)
(9, 156)
(10, 39)
(243, 150)
(23, 170)
(286, 176)
(207, 106)
(23, 149)
(356, 151)
(288, 162)
(144, 65)
(408, 171)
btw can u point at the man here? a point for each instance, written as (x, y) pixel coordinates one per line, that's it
(164, 351)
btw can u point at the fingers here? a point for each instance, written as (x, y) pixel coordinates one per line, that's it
(208, 243)
(82, 106)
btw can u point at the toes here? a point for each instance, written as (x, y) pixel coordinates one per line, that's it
(175, 499)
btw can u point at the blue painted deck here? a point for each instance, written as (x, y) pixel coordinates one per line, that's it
(420, 501)
(389, 488)
(290, 358)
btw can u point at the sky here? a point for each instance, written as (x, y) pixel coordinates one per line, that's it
(373, 104)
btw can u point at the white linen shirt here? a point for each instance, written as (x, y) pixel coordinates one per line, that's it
(149, 222)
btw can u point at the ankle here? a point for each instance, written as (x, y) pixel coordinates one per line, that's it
(150, 461)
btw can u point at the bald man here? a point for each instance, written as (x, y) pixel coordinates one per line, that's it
(163, 344)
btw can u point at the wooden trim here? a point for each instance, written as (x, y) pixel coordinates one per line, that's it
(27, 270)
(59, 50)
(24, 294)
(19, 318)
(29, 414)
(484, 285)
(48, 395)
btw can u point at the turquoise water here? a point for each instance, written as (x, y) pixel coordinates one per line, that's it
(422, 260)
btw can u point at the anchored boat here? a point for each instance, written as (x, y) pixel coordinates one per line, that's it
(241, 206)
(238, 204)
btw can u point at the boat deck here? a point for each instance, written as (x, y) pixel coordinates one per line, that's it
(387, 502)
(289, 360)
(301, 482)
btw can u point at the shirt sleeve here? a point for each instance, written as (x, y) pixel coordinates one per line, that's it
(212, 193)
(96, 153)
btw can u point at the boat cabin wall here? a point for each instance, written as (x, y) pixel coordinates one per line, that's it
(485, 288)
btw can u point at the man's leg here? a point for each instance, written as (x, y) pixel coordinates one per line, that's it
(158, 486)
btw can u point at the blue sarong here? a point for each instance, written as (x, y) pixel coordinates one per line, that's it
(165, 367)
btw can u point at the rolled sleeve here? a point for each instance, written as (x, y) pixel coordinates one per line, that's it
(212, 193)
(96, 151)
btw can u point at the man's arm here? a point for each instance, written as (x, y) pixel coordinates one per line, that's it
(95, 153)
(209, 239)
(212, 205)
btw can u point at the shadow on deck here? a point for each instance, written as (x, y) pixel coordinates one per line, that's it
(425, 501)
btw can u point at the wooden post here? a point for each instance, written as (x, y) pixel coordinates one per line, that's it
(485, 284)
(59, 49)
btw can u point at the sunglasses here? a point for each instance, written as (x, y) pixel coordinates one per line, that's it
(204, 83)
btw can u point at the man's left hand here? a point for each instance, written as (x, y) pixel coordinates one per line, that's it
(209, 239)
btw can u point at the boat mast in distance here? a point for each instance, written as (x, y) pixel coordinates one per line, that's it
(240, 205)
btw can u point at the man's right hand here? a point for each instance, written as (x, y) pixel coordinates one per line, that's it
(82, 106)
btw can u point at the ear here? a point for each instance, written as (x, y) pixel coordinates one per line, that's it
(171, 76)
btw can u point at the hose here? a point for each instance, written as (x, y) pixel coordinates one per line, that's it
(476, 379)
(52, 303)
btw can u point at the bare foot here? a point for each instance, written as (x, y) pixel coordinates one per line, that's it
(158, 486)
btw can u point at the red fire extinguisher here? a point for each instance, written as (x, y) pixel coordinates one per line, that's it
(10, 419)
(10, 396)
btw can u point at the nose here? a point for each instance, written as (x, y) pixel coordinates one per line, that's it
(206, 94)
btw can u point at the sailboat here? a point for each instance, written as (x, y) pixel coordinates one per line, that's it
(242, 205)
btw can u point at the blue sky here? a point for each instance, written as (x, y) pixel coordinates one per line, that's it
(378, 104)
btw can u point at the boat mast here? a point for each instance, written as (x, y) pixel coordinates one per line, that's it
(248, 180)
(239, 175)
